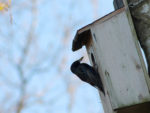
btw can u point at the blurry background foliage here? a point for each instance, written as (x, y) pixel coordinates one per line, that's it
(4, 5)
(35, 56)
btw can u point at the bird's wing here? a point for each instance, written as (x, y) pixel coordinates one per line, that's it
(82, 74)
(93, 76)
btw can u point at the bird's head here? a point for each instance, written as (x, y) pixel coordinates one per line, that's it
(75, 64)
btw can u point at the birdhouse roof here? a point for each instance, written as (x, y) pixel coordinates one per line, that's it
(83, 35)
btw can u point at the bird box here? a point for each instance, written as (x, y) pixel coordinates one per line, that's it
(111, 42)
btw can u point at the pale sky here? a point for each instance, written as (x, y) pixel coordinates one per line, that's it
(53, 15)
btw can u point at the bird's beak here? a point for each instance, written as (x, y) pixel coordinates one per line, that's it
(80, 59)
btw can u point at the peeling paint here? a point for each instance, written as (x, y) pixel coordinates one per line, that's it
(145, 8)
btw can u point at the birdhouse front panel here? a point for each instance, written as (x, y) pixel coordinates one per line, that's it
(94, 60)
(122, 69)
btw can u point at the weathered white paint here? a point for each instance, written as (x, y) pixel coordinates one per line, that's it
(105, 99)
(120, 63)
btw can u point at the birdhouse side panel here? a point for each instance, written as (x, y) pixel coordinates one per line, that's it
(122, 71)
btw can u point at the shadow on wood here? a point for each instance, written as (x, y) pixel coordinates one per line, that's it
(140, 108)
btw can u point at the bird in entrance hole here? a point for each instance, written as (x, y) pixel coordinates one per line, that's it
(87, 74)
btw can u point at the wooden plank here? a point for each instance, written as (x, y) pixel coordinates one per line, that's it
(120, 63)
(137, 44)
(80, 39)
(101, 20)
(104, 99)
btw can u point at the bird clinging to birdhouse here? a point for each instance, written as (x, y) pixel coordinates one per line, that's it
(87, 74)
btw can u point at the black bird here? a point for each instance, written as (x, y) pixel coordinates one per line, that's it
(87, 74)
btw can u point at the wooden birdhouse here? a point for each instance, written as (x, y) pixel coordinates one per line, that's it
(111, 43)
